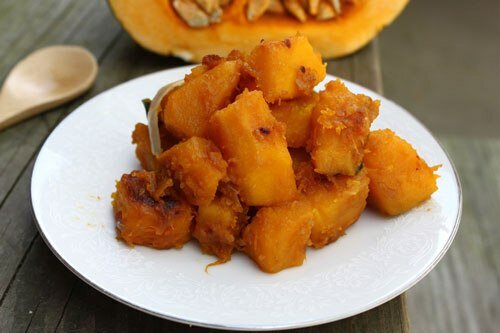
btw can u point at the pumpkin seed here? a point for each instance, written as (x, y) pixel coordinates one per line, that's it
(336, 6)
(191, 13)
(208, 6)
(325, 11)
(216, 15)
(295, 8)
(201, 13)
(313, 6)
(275, 7)
(256, 8)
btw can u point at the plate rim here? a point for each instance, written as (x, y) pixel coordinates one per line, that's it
(303, 324)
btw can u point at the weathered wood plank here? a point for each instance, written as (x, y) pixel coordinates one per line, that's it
(440, 59)
(17, 231)
(19, 143)
(362, 68)
(462, 294)
(23, 310)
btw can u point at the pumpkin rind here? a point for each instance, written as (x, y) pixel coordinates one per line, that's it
(155, 26)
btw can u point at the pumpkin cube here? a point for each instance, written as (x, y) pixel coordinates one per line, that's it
(299, 156)
(195, 72)
(277, 236)
(399, 178)
(287, 69)
(197, 165)
(142, 219)
(219, 223)
(253, 142)
(187, 109)
(296, 115)
(337, 202)
(340, 125)
(140, 137)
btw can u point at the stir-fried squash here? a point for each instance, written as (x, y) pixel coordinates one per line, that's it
(255, 161)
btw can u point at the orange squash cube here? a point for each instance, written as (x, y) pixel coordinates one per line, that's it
(197, 165)
(187, 109)
(287, 69)
(399, 178)
(277, 237)
(219, 223)
(340, 126)
(143, 220)
(296, 115)
(299, 156)
(337, 202)
(140, 137)
(253, 142)
(195, 72)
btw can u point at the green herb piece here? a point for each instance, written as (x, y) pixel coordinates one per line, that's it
(147, 103)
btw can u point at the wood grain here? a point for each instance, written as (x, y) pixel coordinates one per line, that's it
(462, 293)
(95, 31)
(37, 293)
(440, 60)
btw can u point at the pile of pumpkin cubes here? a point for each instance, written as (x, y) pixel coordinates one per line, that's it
(255, 160)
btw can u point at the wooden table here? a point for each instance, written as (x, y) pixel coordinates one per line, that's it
(38, 293)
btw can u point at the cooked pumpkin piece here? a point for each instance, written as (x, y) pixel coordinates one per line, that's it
(195, 72)
(286, 69)
(140, 137)
(337, 202)
(296, 115)
(219, 223)
(340, 125)
(142, 219)
(299, 156)
(253, 142)
(399, 178)
(197, 165)
(277, 236)
(188, 108)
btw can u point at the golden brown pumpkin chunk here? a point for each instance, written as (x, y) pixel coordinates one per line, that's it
(219, 223)
(299, 156)
(161, 223)
(286, 69)
(187, 109)
(195, 72)
(277, 236)
(337, 202)
(340, 126)
(399, 178)
(253, 143)
(140, 136)
(296, 115)
(197, 165)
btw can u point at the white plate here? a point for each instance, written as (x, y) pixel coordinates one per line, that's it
(378, 259)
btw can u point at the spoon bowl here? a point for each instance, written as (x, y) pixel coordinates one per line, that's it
(45, 79)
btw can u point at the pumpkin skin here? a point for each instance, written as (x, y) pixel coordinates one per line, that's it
(155, 25)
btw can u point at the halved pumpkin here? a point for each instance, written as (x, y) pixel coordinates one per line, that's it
(157, 26)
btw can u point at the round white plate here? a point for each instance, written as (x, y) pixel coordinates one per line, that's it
(378, 259)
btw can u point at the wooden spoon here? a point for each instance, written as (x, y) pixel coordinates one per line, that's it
(45, 79)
